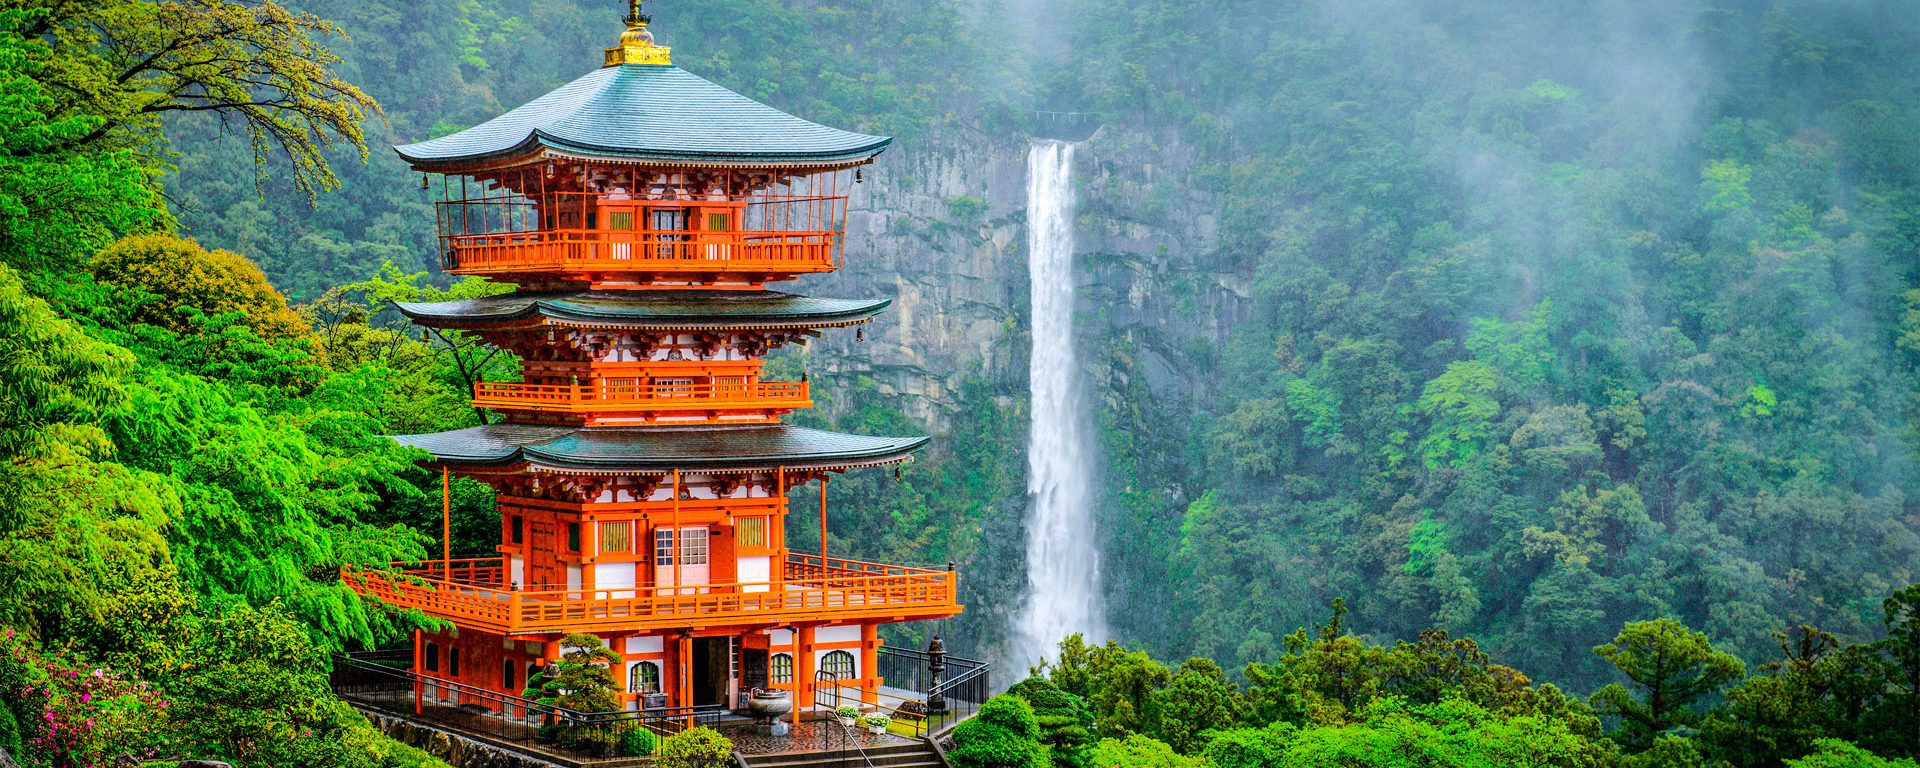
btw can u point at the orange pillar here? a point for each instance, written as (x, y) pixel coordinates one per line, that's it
(675, 539)
(870, 659)
(802, 669)
(683, 671)
(777, 532)
(417, 661)
(823, 523)
(446, 521)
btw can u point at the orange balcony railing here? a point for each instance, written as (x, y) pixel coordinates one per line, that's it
(470, 593)
(643, 251)
(653, 230)
(772, 395)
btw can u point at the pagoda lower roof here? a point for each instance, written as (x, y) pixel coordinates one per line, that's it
(674, 310)
(648, 113)
(660, 449)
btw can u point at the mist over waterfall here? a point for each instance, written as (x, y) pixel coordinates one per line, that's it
(1063, 569)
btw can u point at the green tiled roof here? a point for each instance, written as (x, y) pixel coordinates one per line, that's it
(649, 112)
(661, 449)
(657, 309)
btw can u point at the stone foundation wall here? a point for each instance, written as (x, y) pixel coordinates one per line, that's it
(456, 750)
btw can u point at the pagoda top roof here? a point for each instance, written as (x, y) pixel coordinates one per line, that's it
(690, 310)
(648, 112)
(661, 449)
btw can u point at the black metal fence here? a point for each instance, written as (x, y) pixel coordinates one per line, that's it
(382, 680)
(916, 703)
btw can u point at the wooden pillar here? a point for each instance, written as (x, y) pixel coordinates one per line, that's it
(418, 667)
(683, 671)
(673, 542)
(777, 533)
(446, 521)
(802, 669)
(870, 659)
(823, 523)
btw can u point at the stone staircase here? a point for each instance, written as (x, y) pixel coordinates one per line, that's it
(917, 755)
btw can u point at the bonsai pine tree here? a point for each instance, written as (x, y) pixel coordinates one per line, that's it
(581, 680)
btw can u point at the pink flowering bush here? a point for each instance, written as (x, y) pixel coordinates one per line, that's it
(63, 714)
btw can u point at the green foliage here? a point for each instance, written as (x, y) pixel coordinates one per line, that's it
(1197, 700)
(173, 274)
(699, 747)
(1066, 723)
(1460, 408)
(1249, 747)
(1003, 734)
(581, 680)
(638, 742)
(1118, 682)
(1834, 753)
(1452, 732)
(1672, 668)
(1137, 751)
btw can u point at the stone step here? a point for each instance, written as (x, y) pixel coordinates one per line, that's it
(890, 756)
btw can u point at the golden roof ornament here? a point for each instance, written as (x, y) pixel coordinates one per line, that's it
(636, 44)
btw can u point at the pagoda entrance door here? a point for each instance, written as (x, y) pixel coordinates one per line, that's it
(711, 670)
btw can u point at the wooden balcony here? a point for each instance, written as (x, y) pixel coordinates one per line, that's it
(768, 396)
(654, 234)
(662, 253)
(472, 594)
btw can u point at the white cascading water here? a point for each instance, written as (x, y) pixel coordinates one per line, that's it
(1063, 567)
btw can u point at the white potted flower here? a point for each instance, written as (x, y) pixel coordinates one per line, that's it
(847, 714)
(877, 723)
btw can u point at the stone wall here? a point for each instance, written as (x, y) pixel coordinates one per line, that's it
(454, 749)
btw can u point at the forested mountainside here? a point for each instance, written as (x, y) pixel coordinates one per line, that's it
(1518, 321)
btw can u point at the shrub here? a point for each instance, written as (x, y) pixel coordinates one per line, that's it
(1004, 735)
(176, 273)
(637, 742)
(696, 748)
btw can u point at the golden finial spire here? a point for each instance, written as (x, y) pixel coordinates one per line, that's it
(636, 44)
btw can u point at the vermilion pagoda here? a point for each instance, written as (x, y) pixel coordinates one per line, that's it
(641, 466)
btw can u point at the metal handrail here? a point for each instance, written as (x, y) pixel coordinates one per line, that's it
(845, 730)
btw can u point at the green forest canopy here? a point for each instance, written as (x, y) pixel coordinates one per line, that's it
(1558, 318)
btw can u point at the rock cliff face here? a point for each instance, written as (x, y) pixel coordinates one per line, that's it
(939, 227)
(454, 750)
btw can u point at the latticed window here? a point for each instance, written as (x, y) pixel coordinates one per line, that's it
(693, 546)
(750, 531)
(663, 547)
(838, 665)
(780, 668)
(614, 537)
(644, 678)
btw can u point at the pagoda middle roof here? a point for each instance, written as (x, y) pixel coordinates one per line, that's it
(691, 310)
(649, 112)
(661, 449)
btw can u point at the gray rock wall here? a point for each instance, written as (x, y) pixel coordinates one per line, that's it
(453, 749)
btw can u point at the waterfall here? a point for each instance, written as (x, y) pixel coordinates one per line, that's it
(1063, 569)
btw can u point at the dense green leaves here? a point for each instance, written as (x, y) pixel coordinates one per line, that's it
(1672, 669)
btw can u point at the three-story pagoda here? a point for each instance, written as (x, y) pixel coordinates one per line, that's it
(641, 467)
